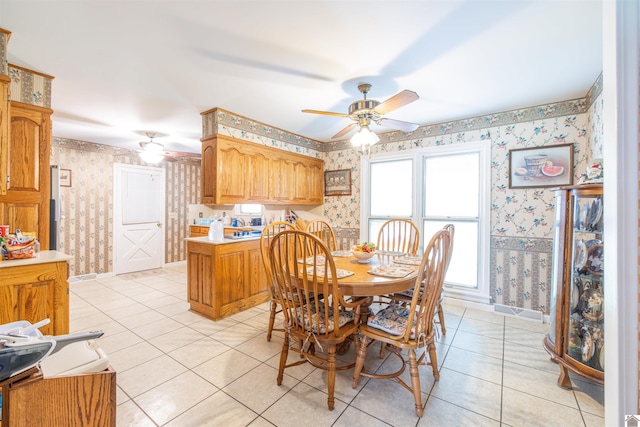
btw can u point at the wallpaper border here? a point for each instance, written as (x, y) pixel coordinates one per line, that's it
(218, 117)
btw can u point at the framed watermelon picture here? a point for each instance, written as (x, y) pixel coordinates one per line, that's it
(548, 166)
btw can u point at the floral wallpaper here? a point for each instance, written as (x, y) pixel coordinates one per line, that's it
(30, 86)
(86, 223)
(4, 40)
(521, 219)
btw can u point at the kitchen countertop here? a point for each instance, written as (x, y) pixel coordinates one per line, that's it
(42, 257)
(205, 239)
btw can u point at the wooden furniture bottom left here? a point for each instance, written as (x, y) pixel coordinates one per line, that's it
(29, 400)
(225, 278)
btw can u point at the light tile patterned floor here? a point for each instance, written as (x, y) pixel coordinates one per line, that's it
(176, 368)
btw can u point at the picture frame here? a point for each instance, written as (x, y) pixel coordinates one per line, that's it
(65, 178)
(549, 166)
(337, 182)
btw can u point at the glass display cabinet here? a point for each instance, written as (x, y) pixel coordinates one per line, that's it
(576, 336)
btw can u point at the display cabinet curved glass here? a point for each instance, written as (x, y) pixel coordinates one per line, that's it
(576, 336)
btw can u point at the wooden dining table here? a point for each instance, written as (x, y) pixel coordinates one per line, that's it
(364, 284)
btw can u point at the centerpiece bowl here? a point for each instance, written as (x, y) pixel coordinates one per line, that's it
(363, 252)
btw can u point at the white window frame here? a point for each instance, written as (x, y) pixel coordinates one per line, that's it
(481, 294)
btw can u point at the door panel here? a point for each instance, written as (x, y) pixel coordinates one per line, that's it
(139, 200)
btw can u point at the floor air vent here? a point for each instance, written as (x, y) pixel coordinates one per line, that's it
(520, 313)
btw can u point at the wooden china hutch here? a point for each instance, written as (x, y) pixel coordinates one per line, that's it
(576, 336)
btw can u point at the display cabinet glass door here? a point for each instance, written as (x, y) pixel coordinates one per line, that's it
(585, 326)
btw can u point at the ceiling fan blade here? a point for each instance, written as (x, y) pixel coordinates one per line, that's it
(345, 131)
(326, 113)
(170, 158)
(396, 101)
(398, 124)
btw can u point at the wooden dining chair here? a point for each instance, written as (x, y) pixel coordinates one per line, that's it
(409, 327)
(302, 267)
(451, 229)
(268, 233)
(322, 229)
(398, 235)
(407, 295)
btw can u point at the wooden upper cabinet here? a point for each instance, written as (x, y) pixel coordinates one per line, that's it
(230, 180)
(301, 182)
(316, 181)
(4, 131)
(208, 164)
(236, 171)
(25, 202)
(257, 177)
(25, 154)
(281, 180)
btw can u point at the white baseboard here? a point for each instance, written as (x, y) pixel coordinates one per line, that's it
(468, 304)
(537, 316)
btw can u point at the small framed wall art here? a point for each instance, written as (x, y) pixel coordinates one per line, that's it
(550, 166)
(337, 182)
(65, 178)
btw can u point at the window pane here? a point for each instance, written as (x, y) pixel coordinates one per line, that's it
(463, 268)
(374, 229)
(391, 188)
(250, 209)
(454, 179)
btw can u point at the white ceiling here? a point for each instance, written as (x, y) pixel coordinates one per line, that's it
(125, 67)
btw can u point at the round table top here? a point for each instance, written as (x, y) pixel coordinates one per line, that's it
(362, 283)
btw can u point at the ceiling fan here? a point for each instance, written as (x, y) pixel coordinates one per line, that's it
(153, 152)
(365, 111)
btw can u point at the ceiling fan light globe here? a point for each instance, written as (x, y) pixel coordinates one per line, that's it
(153, 147)
(151, 157)
(364, 137)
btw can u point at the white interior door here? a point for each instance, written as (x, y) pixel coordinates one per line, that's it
(138, 212)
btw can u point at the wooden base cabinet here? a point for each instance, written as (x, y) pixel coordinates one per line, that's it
(35, 289)
(224, 279)
(78, 400)
(576, 337)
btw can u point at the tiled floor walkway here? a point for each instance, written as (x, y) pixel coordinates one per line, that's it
(176, 368)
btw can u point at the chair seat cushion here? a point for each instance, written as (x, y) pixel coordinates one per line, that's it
(345, 317)
(392, 319)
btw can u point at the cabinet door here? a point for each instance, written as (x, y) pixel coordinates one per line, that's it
(200, 281)
(27, 301)
(208, 173)
(257, 177)
(316, 182)
(282, 180)
(584, 334)
(301, 187)
(4, 131)
(25, 204)
(36, 292)
(231, 180)
(256, 276)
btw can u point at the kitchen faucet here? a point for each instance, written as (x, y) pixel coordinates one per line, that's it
(241, 222)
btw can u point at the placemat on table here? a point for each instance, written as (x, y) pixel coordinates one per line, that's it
(407, 259)
(339, 272)
(342, 254)
(391, 253)
(320, 260)
(395, 271)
